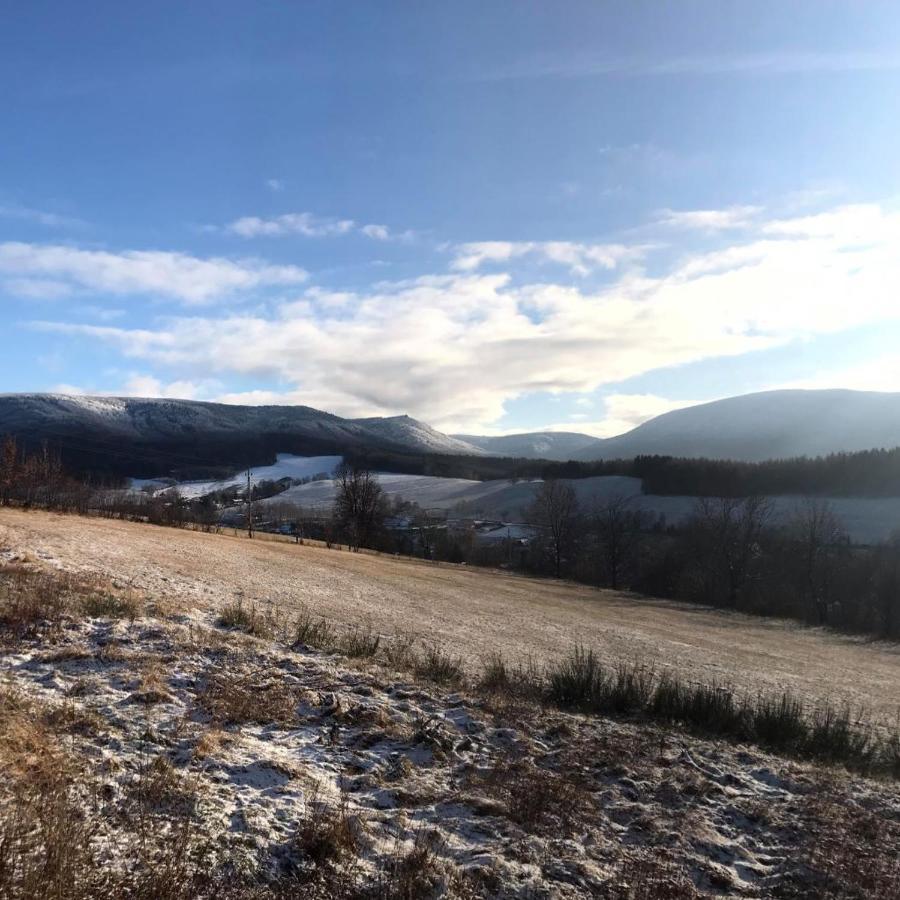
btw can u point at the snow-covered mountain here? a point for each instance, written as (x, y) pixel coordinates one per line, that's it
(131, 435)
(408, 432)
(768, 425)
(558, 445)
(160, 419)
(121, 432)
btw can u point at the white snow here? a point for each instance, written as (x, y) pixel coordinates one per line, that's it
(286, 466)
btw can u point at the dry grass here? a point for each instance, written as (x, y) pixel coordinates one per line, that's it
(848, 852)
(249, 619)
(35, 603)
(535, 798)
(234, 698)
(328, 833)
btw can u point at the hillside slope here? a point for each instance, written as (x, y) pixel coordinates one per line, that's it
(145, 435)
(470, 612)
(556, 445)
(768, 425)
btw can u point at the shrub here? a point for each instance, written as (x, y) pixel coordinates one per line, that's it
(109, 606)
(577, 680)
(31, 604)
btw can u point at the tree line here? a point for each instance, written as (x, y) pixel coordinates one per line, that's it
(731, 553)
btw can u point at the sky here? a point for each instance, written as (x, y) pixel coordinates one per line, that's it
(494, 217)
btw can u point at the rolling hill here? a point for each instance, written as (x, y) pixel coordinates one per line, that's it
(768, 425)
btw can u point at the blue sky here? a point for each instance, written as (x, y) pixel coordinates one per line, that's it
(491, 216)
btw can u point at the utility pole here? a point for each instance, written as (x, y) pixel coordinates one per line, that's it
(249, 506)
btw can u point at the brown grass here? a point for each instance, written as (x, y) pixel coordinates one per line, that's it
(535, 798)
(234, 698)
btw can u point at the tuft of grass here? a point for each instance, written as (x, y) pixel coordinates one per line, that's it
(248, 619)
(110, 606)
(313, 632)
(328, 833)
(400, 652)
(439, 666)
(576, 681)
(779, 721)
(498, 678)
(536, 798)
(360, 642)
(31, 604)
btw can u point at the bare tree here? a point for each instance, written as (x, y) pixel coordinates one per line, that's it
(555, 507)
(616, 528)
(728, 534)
(9, 469)
(820, 542)
(360, 506)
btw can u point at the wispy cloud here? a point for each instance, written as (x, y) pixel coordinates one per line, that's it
(307, 224)
(453, 348)
(276, 185)
(193, 280)
(709, 219)
(39, 217)
(580, 259)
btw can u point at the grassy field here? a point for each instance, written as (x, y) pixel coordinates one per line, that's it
(473, 612)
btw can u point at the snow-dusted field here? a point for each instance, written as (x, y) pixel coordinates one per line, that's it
(867, 520)
(285, 466)
(277, 762)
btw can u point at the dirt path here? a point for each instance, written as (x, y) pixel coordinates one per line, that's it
(470, 611)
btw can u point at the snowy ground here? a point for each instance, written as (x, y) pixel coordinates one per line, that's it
(286, 466)
(255, 743)
(868, 520)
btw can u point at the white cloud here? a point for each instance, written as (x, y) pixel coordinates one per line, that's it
(139, 384)
(305, 224)
(37, 288)
(709, 219)
(627, 411)
(454, 348)
(623, 412)
(171, 275)
(276, 185)
(580, 259)
(882, 373)
(376, 232)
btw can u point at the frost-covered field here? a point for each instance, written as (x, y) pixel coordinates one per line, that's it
(285, 466)
(867, 520)
(160, 749)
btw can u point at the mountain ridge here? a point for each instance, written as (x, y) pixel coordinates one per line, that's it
(748, 427)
